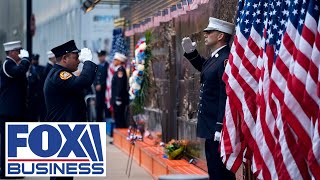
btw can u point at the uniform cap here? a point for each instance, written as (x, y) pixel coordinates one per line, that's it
(219, 25)
(120, 57)
(68, 47)
(13, 45)
(50, 54)
(35, 57)
(102, 53)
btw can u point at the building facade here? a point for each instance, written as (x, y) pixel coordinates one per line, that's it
(60, 21)
(12, 20)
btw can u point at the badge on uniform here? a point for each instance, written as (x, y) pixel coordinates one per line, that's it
(120, 74)
(225, 62)
(64, 75)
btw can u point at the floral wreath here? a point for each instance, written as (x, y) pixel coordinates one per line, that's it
(136, 79)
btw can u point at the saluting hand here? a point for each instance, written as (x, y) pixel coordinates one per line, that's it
(85, 55)
(187, 45)
(23, 54)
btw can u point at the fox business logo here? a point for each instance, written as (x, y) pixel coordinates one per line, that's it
(55, 149)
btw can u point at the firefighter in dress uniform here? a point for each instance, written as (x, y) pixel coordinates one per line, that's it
(35, 98)
(100, 87)
(212, 90)
(13, 90)
(119, 91)
(51, 62)
(64, 91)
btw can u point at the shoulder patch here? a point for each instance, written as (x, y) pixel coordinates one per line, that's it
(64, 75)
(225, 62)
(120, 74)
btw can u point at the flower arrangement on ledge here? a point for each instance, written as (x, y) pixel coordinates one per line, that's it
(139, 80)
(174, 149)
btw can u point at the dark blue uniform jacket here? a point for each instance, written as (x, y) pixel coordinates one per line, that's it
(101, 79)
(64, 93)
(212, 91)
(13, 88)
(119, 88)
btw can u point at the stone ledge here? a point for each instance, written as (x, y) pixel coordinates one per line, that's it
(150, 157)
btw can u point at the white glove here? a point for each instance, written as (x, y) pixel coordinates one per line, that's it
(23, 54)
(217, 136)
(187, 45)
(85, 55)
(118, 103)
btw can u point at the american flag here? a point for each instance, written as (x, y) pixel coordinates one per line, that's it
(156, 19)
(129, 31)
(135, 27)
(193, 4)
(303, 25)
(185, 5)
(232, 145)
(180, 9)
(204, 1)
(241, 78)
(165, 16)
(271, 81)
(173, 11)
(111, 70)
(282, 93)
(312, 85)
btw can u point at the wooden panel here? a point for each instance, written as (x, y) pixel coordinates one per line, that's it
(137, 154)
(117, 139)
(126, 145)
(146, 161)
(159, 166)
(186, 170)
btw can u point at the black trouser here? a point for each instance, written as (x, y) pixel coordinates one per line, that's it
(102, 112)
(119, 116)
(216, 168)
(101, 107)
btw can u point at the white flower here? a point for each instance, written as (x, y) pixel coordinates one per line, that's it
(132, 96)
(136, 52)
(136, 86)
(135, 73)
(140, 67)
(130, 92)
(131, 80)
(143, 46)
